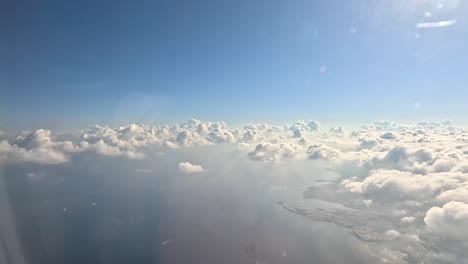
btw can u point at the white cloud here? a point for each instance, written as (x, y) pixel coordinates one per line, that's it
(391, 185)
(450, 221)
(443, 165)
(392, 234)
(424, 148)
(102, 148)
(301, 125)
(337, 131)
(460, 194)
(313, 125)
(187, 167)
(37, 155)
(37, 147)
(407, 219)
(321, 151)
(267, 151)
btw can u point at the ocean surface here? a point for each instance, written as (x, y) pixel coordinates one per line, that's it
(103, 211)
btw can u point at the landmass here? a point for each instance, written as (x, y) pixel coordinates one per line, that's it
(380, 231)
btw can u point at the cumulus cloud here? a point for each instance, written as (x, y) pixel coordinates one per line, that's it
(187, 167)
(391, 185)
(267, 151)
(321, 151)
(36, 147)
(102, 148)
(337, 131)
(14, 153)
(392, 234)
(48, 147)
(302, 125)
(407, 219)
(460, 194)
(52, 147)
(450, 220)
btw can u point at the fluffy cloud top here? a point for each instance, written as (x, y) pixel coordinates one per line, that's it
(451, 220)
(393, 184)
(36, 147)
(48, 147)
(187, 167)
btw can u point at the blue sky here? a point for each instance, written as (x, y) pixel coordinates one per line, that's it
(75, 63)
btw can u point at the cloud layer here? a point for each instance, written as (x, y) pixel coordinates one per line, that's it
(416, 173)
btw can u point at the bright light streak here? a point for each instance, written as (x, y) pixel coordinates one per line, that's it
(445, 23)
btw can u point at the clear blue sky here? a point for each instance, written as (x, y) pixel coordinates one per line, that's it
(74, 63)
